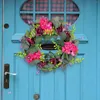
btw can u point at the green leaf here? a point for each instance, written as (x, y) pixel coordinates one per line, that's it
(65, 61)
(21, 54)
(37, 20)
(47, 37)
(72, 36)
(63, 36)
(73, 29)
(50, 65)
(56, 22)
(72, 32)
(62, 57)
(54, 37)
(27, 34)
(38, 39)
(66, 56)
(32, 33)
(46, 66)
(23, 40)
(32, 49)
(76, 42)
(35, 62)
(24, 43)
(51, 54)
(60, 42)
(47, 57)
(24, 46)
(76, 60)
(64, 66)
(57, 56)
(56, 18)
(70, 57)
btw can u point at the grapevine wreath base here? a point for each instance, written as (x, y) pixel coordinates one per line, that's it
(53, 35)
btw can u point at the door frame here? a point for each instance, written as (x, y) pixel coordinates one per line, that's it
(1, 50)
(98, 49)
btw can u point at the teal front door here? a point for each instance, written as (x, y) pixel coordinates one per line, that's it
(77, 82)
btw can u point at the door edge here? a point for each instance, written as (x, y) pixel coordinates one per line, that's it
(1, 49)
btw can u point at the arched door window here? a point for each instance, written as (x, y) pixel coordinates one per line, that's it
(65, 9)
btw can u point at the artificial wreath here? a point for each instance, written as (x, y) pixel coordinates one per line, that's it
(45, 33)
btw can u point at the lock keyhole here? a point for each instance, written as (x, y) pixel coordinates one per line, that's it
(6, 25)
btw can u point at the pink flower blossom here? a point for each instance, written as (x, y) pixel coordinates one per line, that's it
(45, 24)
(70, 48)
(49, 26)
(33, 56)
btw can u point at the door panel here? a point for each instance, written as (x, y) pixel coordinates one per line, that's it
(90, 63)
(76, 82)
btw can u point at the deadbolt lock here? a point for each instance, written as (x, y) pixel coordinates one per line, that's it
(36, 96)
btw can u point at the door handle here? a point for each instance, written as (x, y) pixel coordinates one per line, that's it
(13, 74)
(6, 75)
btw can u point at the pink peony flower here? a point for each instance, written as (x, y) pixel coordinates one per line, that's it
(37, 55)
(29, 58)
(70, 48)
(49, 26)
(33, 56)
(45, 24)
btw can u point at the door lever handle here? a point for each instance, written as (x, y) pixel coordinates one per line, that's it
(13, 74)
(7, 75)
